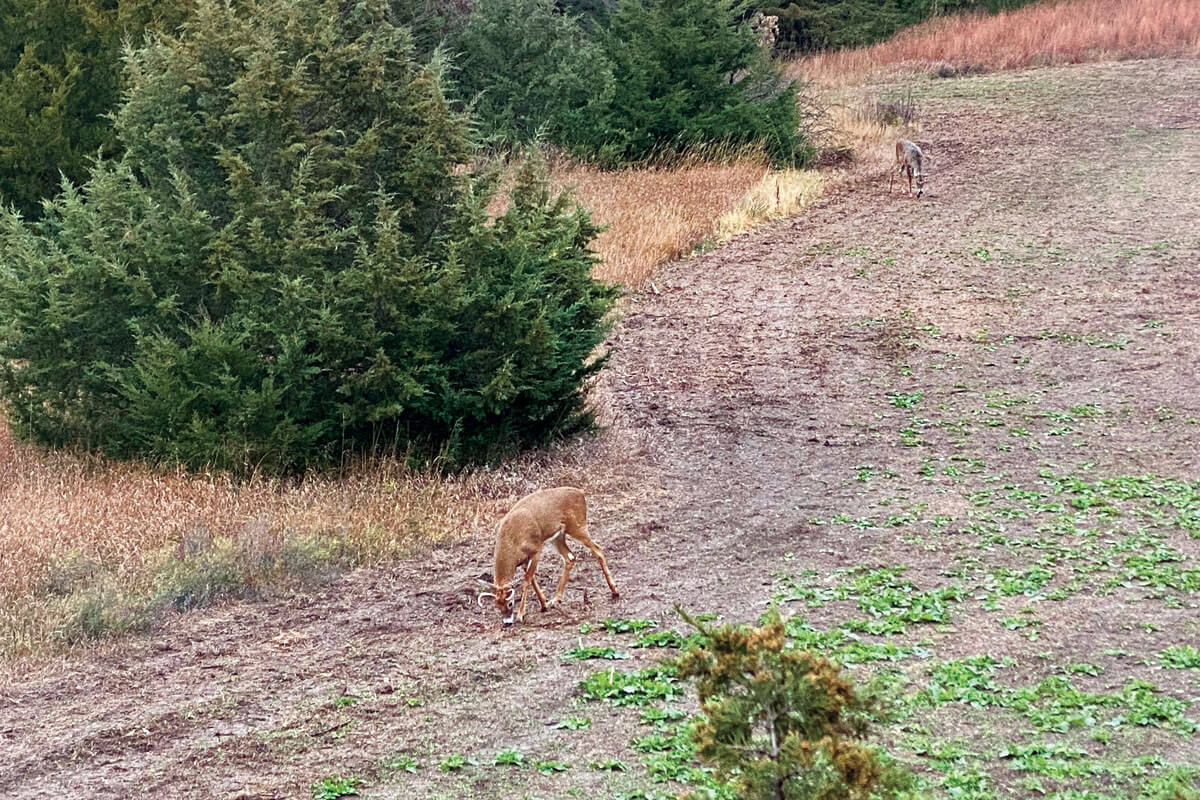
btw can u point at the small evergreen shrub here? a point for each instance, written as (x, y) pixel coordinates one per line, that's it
(527, 68)
(779, 723)
(288, 263)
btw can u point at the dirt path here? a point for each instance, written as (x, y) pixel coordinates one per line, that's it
(1053, 265)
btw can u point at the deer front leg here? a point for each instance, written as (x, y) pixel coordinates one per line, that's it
(529, 580)
(538, 591)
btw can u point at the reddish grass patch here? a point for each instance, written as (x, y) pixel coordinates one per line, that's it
(1059, 32)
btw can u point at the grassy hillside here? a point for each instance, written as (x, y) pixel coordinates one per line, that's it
(1051, 32)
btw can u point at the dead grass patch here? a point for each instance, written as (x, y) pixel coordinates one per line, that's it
(654, 215)
(867, 129)
(777, 194)
(1056, 32)
(90, 547)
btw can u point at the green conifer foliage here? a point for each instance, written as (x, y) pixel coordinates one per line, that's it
(288, 263)
(688, 73)
(809, 25)
(59, 77)
(778, 723)
(527, 68)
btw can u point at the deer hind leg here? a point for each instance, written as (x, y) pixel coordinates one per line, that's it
(579, 533)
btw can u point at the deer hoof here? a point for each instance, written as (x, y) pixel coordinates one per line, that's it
(616, 595)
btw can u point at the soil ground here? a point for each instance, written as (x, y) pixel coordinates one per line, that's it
(849, 388)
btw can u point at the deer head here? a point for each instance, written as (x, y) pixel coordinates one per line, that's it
(504, 598)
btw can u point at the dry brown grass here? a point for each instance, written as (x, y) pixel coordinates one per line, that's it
(1055, 32)
(778, 194)
(656, 215)
(868, 128)
(76, 530)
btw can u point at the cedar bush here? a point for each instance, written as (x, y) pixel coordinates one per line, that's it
(288, 263)
(528, 68)
(654, 77)
(690, 73)
(59, 77)
(779, 723)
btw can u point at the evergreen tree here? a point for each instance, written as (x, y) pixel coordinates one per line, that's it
(690, 72)
(59, 77)
(288, 262)
(779, 724)
(809, 25)
(526, 67)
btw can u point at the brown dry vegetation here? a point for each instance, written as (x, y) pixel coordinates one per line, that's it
(1058, 32)
(76, 531)
(656, 215)
(70, 522)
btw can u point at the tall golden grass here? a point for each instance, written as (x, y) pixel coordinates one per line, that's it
(658, 214)
(68, 523)
(777, 194)
(75, 528)
(1053, 32)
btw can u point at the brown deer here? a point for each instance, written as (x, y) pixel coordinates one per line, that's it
(538, 518)
(910, 161)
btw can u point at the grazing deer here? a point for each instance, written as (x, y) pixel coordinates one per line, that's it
(910, 161)
(538, 518)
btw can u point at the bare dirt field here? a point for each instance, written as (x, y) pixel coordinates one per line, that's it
(994, 387)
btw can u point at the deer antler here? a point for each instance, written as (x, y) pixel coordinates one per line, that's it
(482, 595)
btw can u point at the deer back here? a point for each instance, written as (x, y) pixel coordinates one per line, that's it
(533, 520)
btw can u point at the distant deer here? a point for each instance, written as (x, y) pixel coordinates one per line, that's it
(910, 161)
(538, 518)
